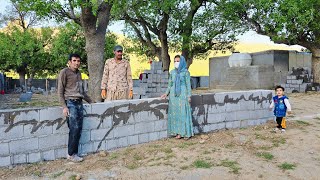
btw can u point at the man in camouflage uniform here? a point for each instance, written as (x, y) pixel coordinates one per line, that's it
(117, 78)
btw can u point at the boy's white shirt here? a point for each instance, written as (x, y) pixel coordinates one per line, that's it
(286, 102)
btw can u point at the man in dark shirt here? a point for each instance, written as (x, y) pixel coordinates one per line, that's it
(71, 93)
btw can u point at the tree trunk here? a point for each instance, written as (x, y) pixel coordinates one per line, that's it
(95, 52)
(30, 79)
(316, 64)
(22, 77)
(165, 57)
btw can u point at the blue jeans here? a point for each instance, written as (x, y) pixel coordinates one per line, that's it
(75, 121)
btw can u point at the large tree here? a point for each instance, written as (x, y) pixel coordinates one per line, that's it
(284, 21)
(25, 51)
(93, 16)
(192, 27)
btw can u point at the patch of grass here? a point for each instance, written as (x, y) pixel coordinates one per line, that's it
(137, 157)
(303, 123)
(72, 177)
(265, 147)
(202, 164)
(167, 150)
(58, 174)
(259, 136)
(184, 167)
(113, 156)
(132, 165)
(185, 145)
(229, 145)
(276, 142)
(233, 165)
(260, 176)
(37, 173)
(128, 151)
(206, 152)
(265, 155)
(169, 156)
(287, 166)
(317, 118)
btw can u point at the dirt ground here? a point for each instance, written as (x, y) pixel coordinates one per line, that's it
(247, 153)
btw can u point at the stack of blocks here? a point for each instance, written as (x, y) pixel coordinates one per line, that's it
(298, 80)
(154, 82)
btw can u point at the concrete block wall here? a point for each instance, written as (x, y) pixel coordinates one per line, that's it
(33, 135)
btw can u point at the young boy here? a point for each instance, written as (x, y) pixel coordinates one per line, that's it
(281, 105)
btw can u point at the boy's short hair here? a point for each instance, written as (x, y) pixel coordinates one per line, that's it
(73, 55)
(277, 87)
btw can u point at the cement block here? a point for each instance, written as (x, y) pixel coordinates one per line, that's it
(145, 127)
(112, 144)
(5, 161)
(51, 113)
(219, 98)
(215, 108)
(230, 107)
(4, 149)
(96, 145)
(196, 100)
(163, 134)
(230, 116)
(98, 134)
(215, 118)
(105, 108)
(13, 133)
(133, 140)
(33, 130)
(61, 153)
(124, 131)
(86, 148)
(91, 123)
(123, 142)
(233, 125)
(242, 115)
(51, 141)
(160, 125)
(87, 109)
(210, 127)
(23, 145)
(34, 157)
(85, 137)
(60, 128)
(25, 115)
(154, 136)
(143, 138)
(19, 158)
(107, 122)
(48, 155)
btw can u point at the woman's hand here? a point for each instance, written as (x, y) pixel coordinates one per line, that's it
(189, 99)
(164, 96)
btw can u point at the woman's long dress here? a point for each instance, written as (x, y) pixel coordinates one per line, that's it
(179, 113)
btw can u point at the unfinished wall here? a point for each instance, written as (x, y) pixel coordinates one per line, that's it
(33, 135)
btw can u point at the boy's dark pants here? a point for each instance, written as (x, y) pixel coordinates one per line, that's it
(75, 121)
(279, 121)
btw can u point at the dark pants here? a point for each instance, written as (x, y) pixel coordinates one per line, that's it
(74, 121)
(279, 121)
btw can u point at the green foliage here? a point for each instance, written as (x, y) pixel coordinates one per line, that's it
(25, 48)
(202, 164)
(265, 155)
(287, 166)
(285, 21)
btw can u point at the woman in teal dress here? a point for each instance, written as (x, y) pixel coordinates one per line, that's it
(179, 92)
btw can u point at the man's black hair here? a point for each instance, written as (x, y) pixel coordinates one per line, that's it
(277, 87)
(74, 55)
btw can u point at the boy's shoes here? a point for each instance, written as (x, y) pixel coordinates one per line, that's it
(283, 130)
(74, 158)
